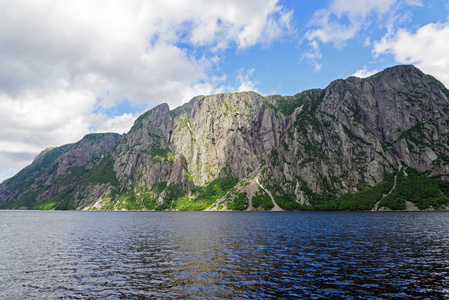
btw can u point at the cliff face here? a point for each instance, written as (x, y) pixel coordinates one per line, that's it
(245, 151)
(56, 171)
(358, 130)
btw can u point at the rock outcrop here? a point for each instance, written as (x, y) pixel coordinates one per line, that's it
(56, 170)
(245, 151)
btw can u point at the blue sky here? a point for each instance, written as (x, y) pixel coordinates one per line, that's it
(69, 68)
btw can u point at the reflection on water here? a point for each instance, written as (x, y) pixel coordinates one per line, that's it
(223, 255)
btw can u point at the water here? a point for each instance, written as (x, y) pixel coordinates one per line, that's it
(317, 255)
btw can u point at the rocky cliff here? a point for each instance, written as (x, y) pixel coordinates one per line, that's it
(357, 144)
(56, 173)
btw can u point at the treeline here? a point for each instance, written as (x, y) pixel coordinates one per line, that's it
(423, 191)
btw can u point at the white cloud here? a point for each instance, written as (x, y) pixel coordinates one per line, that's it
(427, 48)
(313, 55)
(13, 161)
(119, 124)
(36, 119)
(63, 61)
(344, 20)
(364, 72)
(38, 116)
(245, 81)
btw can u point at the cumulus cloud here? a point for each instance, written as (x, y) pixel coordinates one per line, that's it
(245, 81)
(427, 48)
(63, 63)
(38, 118)
(119, 124)
(313, 55)
(364, 72)
(344, 20)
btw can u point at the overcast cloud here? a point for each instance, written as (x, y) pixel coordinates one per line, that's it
(64, 63)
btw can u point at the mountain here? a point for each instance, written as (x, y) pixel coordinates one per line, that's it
(376, 143)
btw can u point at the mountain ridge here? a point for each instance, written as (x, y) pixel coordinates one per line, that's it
(318, 149)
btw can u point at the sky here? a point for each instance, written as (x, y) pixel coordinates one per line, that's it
(73, 67)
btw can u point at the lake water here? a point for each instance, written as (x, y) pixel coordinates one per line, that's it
(316, 255)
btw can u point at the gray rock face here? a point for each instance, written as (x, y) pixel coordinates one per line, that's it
(346, 137)
(57, 169)
(407, 110)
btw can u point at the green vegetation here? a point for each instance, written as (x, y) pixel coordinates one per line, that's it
(26, 200)
(416, 135)
(287, 201)
(353, 136)
(208, 194)
(362, 200)
(159, 187)
(285, 145)
(185, 123)
(128, 201)
(307, 98)
(174, 196)
(240, 202)
(274, 156)
(269, 104)
(425, 192)
(161, 153)
(27, 177)
(288, 106)
(103, 172)
(143, 116)
(173, 192)
(262, 200)
(59, 202)
(72, 175)
(149, 202)
(50, 157)
(312, 149)
(284, 200)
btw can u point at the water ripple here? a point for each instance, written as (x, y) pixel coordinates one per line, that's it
(159, 255)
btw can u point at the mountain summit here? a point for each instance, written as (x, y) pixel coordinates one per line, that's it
(376, 143)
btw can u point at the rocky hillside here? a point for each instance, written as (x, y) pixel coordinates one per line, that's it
(376, 143)
(56, 173)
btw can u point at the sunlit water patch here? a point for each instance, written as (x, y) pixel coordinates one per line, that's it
(317, 255)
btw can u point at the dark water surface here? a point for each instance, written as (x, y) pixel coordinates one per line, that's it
(317, 255)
